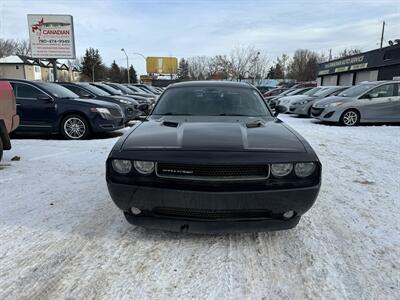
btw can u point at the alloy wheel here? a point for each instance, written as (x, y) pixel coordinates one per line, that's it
(350, 118)
(74, 128)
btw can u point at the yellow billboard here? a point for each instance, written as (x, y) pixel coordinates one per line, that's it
(161, 65)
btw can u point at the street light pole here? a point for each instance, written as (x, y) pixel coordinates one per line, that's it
(127, 64)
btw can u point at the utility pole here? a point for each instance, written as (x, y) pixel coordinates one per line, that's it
(330, 55)
(127, 64)
(383, 32)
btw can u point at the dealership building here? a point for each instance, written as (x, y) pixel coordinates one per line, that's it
(379, 64)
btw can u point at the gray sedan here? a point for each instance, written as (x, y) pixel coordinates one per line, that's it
(365, 103)
(303, 106)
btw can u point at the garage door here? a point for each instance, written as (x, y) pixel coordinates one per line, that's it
(346, 79)
(330, 80)
(366, 76)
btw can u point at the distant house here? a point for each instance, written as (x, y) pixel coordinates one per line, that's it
(23, 67)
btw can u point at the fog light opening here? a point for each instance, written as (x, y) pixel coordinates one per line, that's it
(135, 211)
(288, 215)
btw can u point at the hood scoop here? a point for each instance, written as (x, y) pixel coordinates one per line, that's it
(255, 124)
(170, 124)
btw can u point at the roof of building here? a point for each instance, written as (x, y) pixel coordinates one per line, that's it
(12, 59)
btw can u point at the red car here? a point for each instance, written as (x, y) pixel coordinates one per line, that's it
(9, 120)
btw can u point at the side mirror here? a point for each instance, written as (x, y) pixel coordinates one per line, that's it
(279, 109)
(372, 95)
(44, 97)
(143, 107)
(87, 95)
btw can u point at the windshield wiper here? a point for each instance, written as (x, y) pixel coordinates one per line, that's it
(68, 97)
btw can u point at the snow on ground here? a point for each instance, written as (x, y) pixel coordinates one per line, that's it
(61, 237)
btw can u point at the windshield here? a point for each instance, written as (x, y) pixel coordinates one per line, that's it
(356, 90)
(109, 89)
(95, 90)
(211, 101)
(296, 92)
(313, 91)
(135, 89)
(56, 90)
(122, 88)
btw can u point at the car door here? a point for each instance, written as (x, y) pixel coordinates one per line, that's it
(378, 105)
(37, 110)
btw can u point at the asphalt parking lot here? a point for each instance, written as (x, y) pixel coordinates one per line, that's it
(61, 237)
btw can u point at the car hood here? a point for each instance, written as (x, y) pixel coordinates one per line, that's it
(289, 99)
(95, 103)
(213, 133)
(322, 103)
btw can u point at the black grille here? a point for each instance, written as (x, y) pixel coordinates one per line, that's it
(115, 112)
(212, 171)
(316, 111)
(191, 213)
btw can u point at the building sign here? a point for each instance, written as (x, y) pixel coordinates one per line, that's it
(161, 65)
(343, 62)
(341, 69)
(323, 72)
(51, 36)
(359, 66)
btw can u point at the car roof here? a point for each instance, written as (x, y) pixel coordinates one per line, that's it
(211, 83)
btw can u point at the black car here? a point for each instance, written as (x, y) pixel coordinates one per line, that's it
(87, 91)
(117, 92)
(213, 158)
(51, 108)
(126, 91)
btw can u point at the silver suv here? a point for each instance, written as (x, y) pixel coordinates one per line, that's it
(367, 102)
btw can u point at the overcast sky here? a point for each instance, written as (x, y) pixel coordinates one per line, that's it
(190, 28)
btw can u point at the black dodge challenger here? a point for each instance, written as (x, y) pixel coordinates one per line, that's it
(212, 157)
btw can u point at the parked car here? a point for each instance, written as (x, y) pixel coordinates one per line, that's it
(264, 89)
(365, 103)
(274, 92)
(140, 97)
(147, 88)
(86, 91)
(51, 108)
(140, 92)
(9, 120)
(116, 92)
(284, 100)
(212, 157)
(303, 106)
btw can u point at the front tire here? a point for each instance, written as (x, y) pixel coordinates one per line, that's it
(74, 127)
(350, 117)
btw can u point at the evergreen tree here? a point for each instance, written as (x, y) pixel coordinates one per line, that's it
(114, 73)
(132, 75)
(183, 70)
(92, 61)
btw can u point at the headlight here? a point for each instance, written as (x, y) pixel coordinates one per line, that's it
(144, 167)
(303, 170)
(124, 101)
(303, 102)
(334, 104)
(281, 170)
(121, 166)
(104, 112)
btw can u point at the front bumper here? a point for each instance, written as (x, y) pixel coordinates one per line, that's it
(326, 114)
(102, 125)
(273, 203)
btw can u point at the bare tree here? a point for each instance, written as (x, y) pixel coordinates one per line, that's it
(7, 47)
(23, 47)
(198, 67)
(304, 66)
(348, 52)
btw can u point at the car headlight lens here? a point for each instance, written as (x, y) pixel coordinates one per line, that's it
(144, 167)
(281, 170)
(121, 166)
(303, 170)
(104, 112)
(124, 101)
(334, 104)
